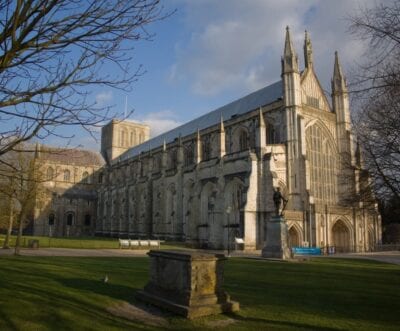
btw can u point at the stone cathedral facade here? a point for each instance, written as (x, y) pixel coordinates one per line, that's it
(212, 179)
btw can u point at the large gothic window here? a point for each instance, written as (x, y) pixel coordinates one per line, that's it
(322, 162)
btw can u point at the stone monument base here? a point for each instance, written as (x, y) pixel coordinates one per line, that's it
(277, 239)
(187, 283)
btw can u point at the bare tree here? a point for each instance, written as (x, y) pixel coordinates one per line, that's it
(21, 189)
(376, 88)
(51, 54)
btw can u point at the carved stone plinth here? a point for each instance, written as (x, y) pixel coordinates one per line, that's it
(277, 239)
(187, 283)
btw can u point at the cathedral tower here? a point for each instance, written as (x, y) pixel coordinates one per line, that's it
(118, 136)
(292, 104)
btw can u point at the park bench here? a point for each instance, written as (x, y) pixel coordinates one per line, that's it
(123, 243)
(144, 244)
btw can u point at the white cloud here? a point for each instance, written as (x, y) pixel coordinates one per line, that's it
(103, 97)
(160, 122)
(238, 44)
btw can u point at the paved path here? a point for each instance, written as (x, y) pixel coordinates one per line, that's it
(77, 252)
(389, 257)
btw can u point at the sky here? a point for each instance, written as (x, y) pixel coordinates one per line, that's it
(209, 53)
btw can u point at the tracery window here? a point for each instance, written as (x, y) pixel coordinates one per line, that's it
(243, 140)
(189, 155)
(322, 162)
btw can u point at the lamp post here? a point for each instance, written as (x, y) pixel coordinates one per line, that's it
(228, 212)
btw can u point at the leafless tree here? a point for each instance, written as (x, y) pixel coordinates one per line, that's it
(21, 189)
(53, 51)
(376, 87)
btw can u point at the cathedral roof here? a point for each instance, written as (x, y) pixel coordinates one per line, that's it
(78, 157)
(244, 105)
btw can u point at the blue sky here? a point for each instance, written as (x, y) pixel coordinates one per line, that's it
(212, 52)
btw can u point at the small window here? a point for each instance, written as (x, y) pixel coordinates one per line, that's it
(88, 220)
(50, 173)
(67, 175)
(51, 219)
(123, 137)
(85, 177)
(70, 219)
(100, 178)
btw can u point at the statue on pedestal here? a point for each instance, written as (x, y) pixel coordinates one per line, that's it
(278, 198)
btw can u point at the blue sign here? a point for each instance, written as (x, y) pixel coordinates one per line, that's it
(306, 251)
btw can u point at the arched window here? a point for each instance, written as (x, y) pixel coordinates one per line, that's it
(243, 140)
(51, 219)
(131, 138)
(173, 158)
(140, 138)
(322, 163)
(88, 220)
(67, 175)
(123, 137)
(206, 149)
(50, 173)
(85, 177)
(189, 155)
(70, 219)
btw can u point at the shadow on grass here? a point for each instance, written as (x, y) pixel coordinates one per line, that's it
(279, 323)
(115, 291)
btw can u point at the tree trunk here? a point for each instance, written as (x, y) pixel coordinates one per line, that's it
(6, 244)
(19, 236)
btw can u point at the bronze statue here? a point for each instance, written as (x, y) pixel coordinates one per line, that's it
(278, 198)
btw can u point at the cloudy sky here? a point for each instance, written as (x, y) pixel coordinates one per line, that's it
(212, 52)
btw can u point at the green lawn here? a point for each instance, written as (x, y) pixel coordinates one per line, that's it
(65, 293)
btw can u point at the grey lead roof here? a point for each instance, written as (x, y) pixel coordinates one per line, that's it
(250, 102)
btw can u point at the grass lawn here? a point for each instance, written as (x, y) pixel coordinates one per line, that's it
(66, 293)
(88, 242)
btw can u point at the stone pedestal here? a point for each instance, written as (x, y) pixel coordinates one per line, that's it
(187, 283)
(277, 239)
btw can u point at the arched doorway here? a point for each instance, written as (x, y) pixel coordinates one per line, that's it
(294, 238)
(341, 237)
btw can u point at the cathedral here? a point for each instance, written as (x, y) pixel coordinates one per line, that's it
(212, 179)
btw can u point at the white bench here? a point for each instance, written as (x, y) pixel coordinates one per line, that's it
(123, 243)
(134, 243)
(138, 243)
(154, 243)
